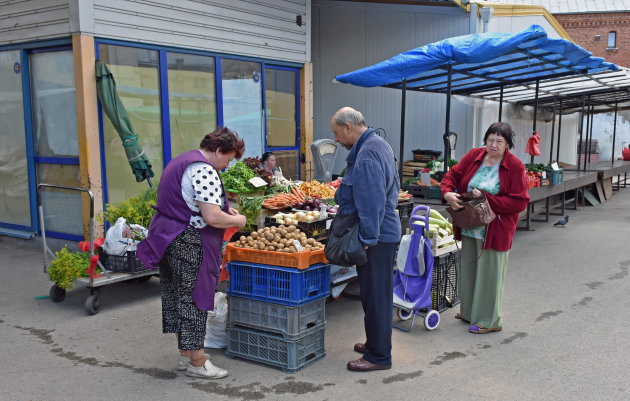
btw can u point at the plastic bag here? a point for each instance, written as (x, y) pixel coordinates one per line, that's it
(115, 241)
(216, 334)
(403, 254)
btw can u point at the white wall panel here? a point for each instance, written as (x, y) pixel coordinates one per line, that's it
(33, 19)
(256, 28)
(348, 36)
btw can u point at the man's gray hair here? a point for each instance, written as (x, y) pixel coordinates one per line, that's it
(349, 115)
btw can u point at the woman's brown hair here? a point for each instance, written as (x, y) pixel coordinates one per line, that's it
(225, 140)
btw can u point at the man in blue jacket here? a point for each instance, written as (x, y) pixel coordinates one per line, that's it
(370, 188)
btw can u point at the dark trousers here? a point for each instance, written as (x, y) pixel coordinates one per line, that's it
(377, 288)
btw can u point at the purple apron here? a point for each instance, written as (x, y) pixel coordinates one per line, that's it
(172, 218)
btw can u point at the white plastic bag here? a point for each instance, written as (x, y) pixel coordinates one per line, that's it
(216, 334)
(115, 243)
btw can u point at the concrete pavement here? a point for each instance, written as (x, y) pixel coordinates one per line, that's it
(565, 336)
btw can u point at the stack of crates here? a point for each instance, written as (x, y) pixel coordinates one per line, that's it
(276, 315)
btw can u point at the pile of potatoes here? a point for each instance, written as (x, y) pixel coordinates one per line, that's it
(278, 239)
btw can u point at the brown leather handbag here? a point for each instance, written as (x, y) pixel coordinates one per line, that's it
(475, 213)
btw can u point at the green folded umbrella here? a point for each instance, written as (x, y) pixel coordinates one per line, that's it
(115, 110)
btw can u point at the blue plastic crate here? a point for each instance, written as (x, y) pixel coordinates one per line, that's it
(273, 349)
(282, 285)
(555, 176)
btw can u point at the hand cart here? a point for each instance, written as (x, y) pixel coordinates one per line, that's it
(412, 297)
(58, 294)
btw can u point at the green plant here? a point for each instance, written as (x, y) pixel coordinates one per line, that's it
(68, 266)
(137, 209)
(236, 178)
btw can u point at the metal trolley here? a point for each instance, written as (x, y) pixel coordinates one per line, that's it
(58, 294)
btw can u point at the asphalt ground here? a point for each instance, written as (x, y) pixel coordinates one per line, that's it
(565, 334)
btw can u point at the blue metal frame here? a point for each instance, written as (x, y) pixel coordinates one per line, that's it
(66, 236)
(218, 76)
(101, 139)
(165, 107)
(16, 226)
(28, 132)
(57, 160)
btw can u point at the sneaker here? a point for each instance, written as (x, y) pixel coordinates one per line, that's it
(183, 362)
(207, 371)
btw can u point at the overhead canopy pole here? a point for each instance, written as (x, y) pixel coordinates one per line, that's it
(402, 130)
(581, 130)
(590, 140)
(559, 131)
(553, 128)
(501, 104)
(588, 120)
(447, 129)
(612, 158)
(535, 114)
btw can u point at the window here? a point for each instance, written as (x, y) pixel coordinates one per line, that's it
(192, 100)
(612, 40)
(137, 80)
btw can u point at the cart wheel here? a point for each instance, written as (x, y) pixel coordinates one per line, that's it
(92, 304)
(431, 320)
(142, 279)
(404, 314)
(57, 294)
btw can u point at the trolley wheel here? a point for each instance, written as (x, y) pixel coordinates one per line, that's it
(57, 294)
(142, 279)
(404, 314)
(431, 320)
(92, 303)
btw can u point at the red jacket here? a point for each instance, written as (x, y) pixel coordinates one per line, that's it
(511, 199)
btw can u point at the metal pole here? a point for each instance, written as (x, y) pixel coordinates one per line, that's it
(553, 128)
(612, 158)
(501, 104)
(559, 131)
(402, 130)
(447, 129)
(583, 145)
(590, 140)
(581, 130)
(535, 115)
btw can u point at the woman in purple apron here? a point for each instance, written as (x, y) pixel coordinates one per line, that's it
(184, 242)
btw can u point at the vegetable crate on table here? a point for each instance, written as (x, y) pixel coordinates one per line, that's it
(423, 191)
(299, 260)
(314, 229)
(273, 349)
(127, 263)
(555, 176)
(446, 285)
(404, 209)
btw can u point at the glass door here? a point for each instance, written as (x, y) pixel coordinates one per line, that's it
(282, 121)
(55, 140)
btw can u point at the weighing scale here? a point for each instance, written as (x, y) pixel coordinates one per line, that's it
(324, 155)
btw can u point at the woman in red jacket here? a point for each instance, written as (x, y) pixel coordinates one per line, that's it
(501, 175)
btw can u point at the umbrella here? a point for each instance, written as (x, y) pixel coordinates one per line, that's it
(115, 110)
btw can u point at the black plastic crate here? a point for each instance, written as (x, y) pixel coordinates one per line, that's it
(127, 263)
(314, 229)
(446, 285)
(404, 209)
(423, 191)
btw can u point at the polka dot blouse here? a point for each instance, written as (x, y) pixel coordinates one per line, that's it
(201, 183)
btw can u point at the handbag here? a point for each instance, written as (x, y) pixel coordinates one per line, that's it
(343, 246)
(475, 213)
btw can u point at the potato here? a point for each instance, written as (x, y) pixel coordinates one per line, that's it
(280, 245)
(254, 235)
(261, 245)
(291, 229)
(269, 236)
(271, 248)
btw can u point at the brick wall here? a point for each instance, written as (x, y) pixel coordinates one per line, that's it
(583, 28)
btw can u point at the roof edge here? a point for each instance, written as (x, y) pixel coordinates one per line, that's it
(509, 10)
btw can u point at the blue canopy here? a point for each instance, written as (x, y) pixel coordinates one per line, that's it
(480, 62)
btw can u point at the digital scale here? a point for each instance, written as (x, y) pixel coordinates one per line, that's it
(324, 156)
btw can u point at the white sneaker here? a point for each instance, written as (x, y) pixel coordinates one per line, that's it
(207, 371)
(183, 362)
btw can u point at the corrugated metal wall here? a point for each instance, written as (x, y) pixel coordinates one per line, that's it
(33, 19)
(256, 28)
(348, 36)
